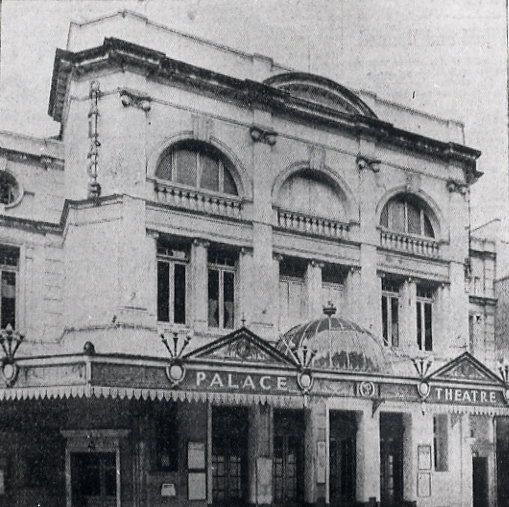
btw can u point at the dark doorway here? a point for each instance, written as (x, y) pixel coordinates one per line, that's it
(480, 481)
(229, 455)
(94, 479)
(343, 430)
(502, 461)
(391, 459)
(288, 476)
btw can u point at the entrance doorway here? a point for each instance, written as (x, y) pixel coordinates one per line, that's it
(480, 481)
(288, 474)
(229, 455)
(343, 430)
(94, 479)
(391, 458)
(502, 426)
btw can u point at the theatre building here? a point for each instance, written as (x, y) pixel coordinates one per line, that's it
(232, 283)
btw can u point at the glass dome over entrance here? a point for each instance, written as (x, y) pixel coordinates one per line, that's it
(337, 344)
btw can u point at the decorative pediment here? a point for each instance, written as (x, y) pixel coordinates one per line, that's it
(243, 346)
(465, 368)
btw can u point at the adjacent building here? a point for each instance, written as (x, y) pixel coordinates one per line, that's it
(231, 283)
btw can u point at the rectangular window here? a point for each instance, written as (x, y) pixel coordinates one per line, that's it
(424, 318)
(292, 291)
(390, 312)
(221, 289)
(9, 260)
(333, 285)
(440, 443)
(171, 285)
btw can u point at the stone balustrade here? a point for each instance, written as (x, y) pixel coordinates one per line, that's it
(427, 247)
(196, 200)
(300, 222)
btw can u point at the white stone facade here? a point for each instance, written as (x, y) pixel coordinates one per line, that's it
(238, 199)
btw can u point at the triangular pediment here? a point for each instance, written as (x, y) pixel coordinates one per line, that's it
(241, 346)
(465, 368)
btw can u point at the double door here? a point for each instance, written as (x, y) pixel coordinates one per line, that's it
(94, 479)
(342, 448)
(229, 456)
(391, 459)
(288, 476)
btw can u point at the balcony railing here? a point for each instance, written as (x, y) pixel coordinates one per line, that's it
(195, 200)
(426, 247)
(300, 222)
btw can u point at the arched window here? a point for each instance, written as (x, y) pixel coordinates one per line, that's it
(198, 165)
(406, 214)
(311, 193)
(9, 188)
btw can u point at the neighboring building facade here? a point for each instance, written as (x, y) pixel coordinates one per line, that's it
(327, 319)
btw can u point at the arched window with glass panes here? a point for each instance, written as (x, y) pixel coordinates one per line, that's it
(199, 165)
(406, 214)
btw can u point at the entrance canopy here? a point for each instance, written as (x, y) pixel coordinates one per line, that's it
(241, 368)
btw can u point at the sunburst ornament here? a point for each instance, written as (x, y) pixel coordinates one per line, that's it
(176, 369)
(10, 341)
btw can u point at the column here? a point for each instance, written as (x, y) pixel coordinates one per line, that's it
(353, 293)
(409, 486)
(408, 317)
(314, 289)
(368, 456)
(368, 167)
(151, 282)
(264, 289)
(420, 427)
(199, 285)
(315, 419)
(371, 290)
(244, 295)
(441, 317)
(276, 259)
(259, 450)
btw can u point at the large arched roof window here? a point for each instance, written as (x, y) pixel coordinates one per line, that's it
(407, 214)
(199, 165)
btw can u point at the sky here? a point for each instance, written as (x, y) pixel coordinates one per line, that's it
(446, 58)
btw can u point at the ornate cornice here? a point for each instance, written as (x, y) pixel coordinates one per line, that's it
(115, 53)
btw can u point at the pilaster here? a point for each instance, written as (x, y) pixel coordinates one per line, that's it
(408, 316)
(245, 277)
(314, 289)
(264, 290)
(368, 456)
(259, 449)
(199, 285)
(353, 294)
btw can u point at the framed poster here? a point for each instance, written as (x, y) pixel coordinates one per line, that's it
(423, 484)
(196, 455)
(196, 486)
(320, 462)
(424, 457)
